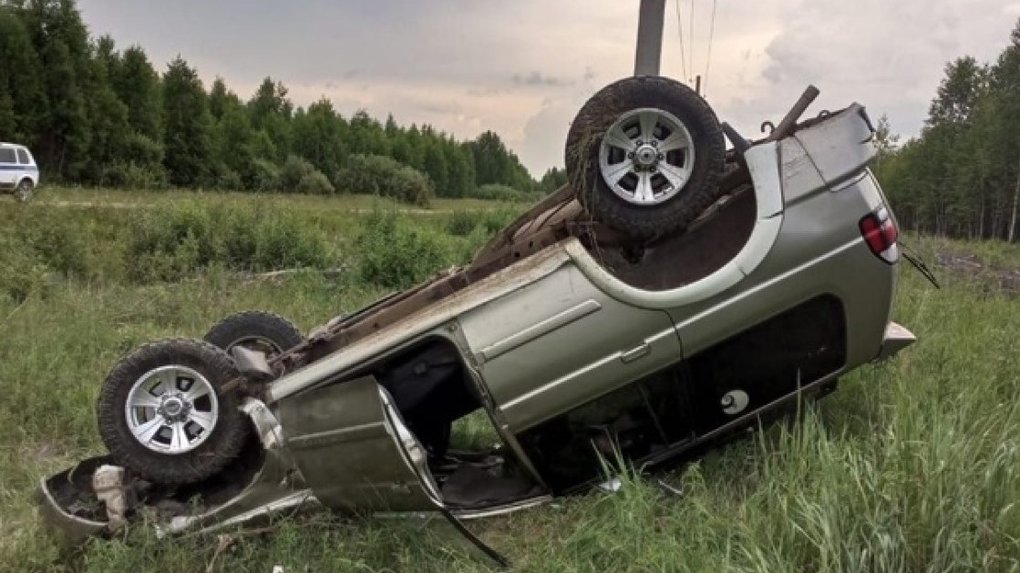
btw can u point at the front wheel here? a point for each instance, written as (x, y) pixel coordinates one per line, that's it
(23, 192)
(644, 156)
(163, 415)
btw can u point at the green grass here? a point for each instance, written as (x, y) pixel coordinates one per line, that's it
(913, 465)
(79, 197)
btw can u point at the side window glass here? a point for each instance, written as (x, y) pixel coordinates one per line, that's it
(23, 157)
(7, 155)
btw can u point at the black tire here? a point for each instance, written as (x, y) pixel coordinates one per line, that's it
(219, 449)
(257, 330)
(601, 112)
(23, 192)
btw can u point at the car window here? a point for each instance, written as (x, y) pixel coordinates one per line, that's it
(23, 157)
(7, 155)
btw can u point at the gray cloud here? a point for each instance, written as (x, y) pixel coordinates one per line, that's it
(887, 55)
(523, 68)
(538, 79)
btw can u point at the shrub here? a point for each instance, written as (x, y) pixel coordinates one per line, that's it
(495, 219)
(173, 242)
(133, 176)
(497, 192)
(385, 177)
(21, 271)
(56, 244)
(315, 183)
(228, 179)
(298, 175)
(461, 223)
(265, 176)
(394, 254)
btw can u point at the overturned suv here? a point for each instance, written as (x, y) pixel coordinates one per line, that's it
(671, 294)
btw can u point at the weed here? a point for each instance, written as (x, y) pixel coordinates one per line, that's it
(171, 243)
(393, 253)
(461, 223)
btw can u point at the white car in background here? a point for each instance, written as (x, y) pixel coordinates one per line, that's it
(19, 174)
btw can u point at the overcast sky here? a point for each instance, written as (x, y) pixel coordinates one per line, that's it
(522, 68)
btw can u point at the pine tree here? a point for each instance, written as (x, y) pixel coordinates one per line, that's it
(187, 126)
(110, 130)
(137, 85)
(61, 40)
(318, 137)
(22, 101)
(270, 113)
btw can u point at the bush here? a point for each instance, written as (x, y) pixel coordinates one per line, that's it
(385, 177)
(133, 176)
(298, 175)
(265, 176)
(228, 179)
(315, 183)
(495, 219)
(21, 271)
(394, 254)
(462, 223)
(173, 242)
(497, 192)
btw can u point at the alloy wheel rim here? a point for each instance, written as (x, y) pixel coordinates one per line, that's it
(646, 156)
(171, 409)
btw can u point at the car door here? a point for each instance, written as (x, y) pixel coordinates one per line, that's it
(357, 456)
(354, 450)
(560, 342)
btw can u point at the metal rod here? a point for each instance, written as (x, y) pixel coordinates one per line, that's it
(649, 40)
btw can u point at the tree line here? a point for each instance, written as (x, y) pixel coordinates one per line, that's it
(96, 115)
(961, 176)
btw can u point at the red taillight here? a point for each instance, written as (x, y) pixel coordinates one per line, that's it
(880, 233)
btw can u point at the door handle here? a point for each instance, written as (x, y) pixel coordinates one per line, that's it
(636, 353)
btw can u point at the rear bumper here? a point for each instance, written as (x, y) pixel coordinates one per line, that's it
(896, 338)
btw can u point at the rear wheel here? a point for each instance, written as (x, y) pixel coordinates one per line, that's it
(23, 192)
(162, 414)
(255, 330)
(644, 156)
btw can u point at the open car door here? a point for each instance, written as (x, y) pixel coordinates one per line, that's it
(357, 456)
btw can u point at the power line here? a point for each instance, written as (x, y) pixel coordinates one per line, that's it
(711, 38)
(691, 38)
(680, 30)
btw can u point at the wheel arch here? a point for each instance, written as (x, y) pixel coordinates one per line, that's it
(763, 164)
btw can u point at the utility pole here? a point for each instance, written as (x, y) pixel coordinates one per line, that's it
(649, 40)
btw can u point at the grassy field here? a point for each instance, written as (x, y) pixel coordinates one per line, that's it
(914, 465)
(121, 198)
